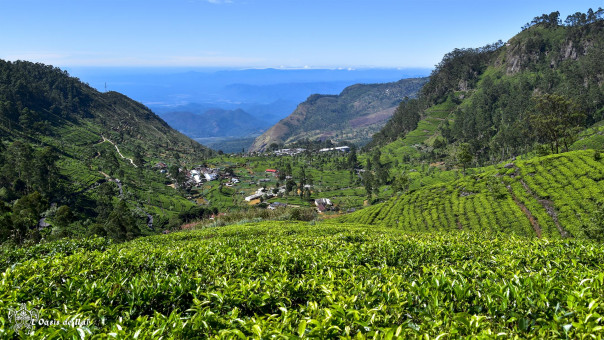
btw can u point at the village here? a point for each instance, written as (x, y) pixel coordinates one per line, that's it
(263, 190)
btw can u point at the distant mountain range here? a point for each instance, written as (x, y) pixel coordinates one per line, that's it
(354, 115)
(215, 123)
(267, 94)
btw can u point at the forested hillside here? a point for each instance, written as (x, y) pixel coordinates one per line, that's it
(76, 161)
(539, 89)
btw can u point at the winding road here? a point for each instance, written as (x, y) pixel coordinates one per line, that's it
(118, 151)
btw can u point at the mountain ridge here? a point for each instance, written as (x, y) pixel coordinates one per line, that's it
(324, 116)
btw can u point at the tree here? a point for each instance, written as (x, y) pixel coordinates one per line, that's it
(6, 224)
(173, 171)
(555, 119)
(368, 182)
(352, 158)
(47, 174)
(307, 194)
(464, 156)
(290, 185)
(63, 217)
(137, 157)
(401, 183)
(104, 201)
(120, 224)
(26, 214)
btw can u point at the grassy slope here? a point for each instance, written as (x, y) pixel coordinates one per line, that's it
(295, 279)
(427, 129)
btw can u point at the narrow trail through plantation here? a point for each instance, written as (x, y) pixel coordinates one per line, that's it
(119, 152)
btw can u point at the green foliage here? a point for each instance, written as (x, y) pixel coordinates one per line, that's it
(121, 224)
(287, 280)
(64, 140)
(401, 183)
(491, 90)
(555, 120)
(594, 227)
(464, 156)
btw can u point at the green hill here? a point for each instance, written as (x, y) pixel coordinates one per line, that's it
(353, 115)
(488, 98)
(82, 160)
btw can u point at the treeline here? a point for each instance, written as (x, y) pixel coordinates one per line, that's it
(36, 204)
(577, 19)
(36, 99)
(458, 70)
(47, 119)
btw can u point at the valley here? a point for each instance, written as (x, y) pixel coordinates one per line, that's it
(467, 204)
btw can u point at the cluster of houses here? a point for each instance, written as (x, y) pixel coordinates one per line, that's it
(203, 174)
(323, 204)
(200, 174)
(289, 152)
(293, 152)
(265, 193)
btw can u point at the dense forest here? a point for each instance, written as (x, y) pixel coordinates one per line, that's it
(540, 88)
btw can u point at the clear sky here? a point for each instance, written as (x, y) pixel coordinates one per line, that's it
(260, 33)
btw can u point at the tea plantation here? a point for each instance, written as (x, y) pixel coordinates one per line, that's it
(295, 279)
(553, 196)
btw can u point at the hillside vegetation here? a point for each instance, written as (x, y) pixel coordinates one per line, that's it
(554, 196)
(498, 101)
(295, 280)
(74, 161)
(353, 115)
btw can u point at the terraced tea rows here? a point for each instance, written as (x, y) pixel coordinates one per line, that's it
(548, 196)
(290, 280)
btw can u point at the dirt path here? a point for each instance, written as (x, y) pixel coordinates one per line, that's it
(549, 208)
(118, 151)
(526, 211)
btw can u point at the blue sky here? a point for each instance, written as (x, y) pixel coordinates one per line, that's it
(259, 33)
